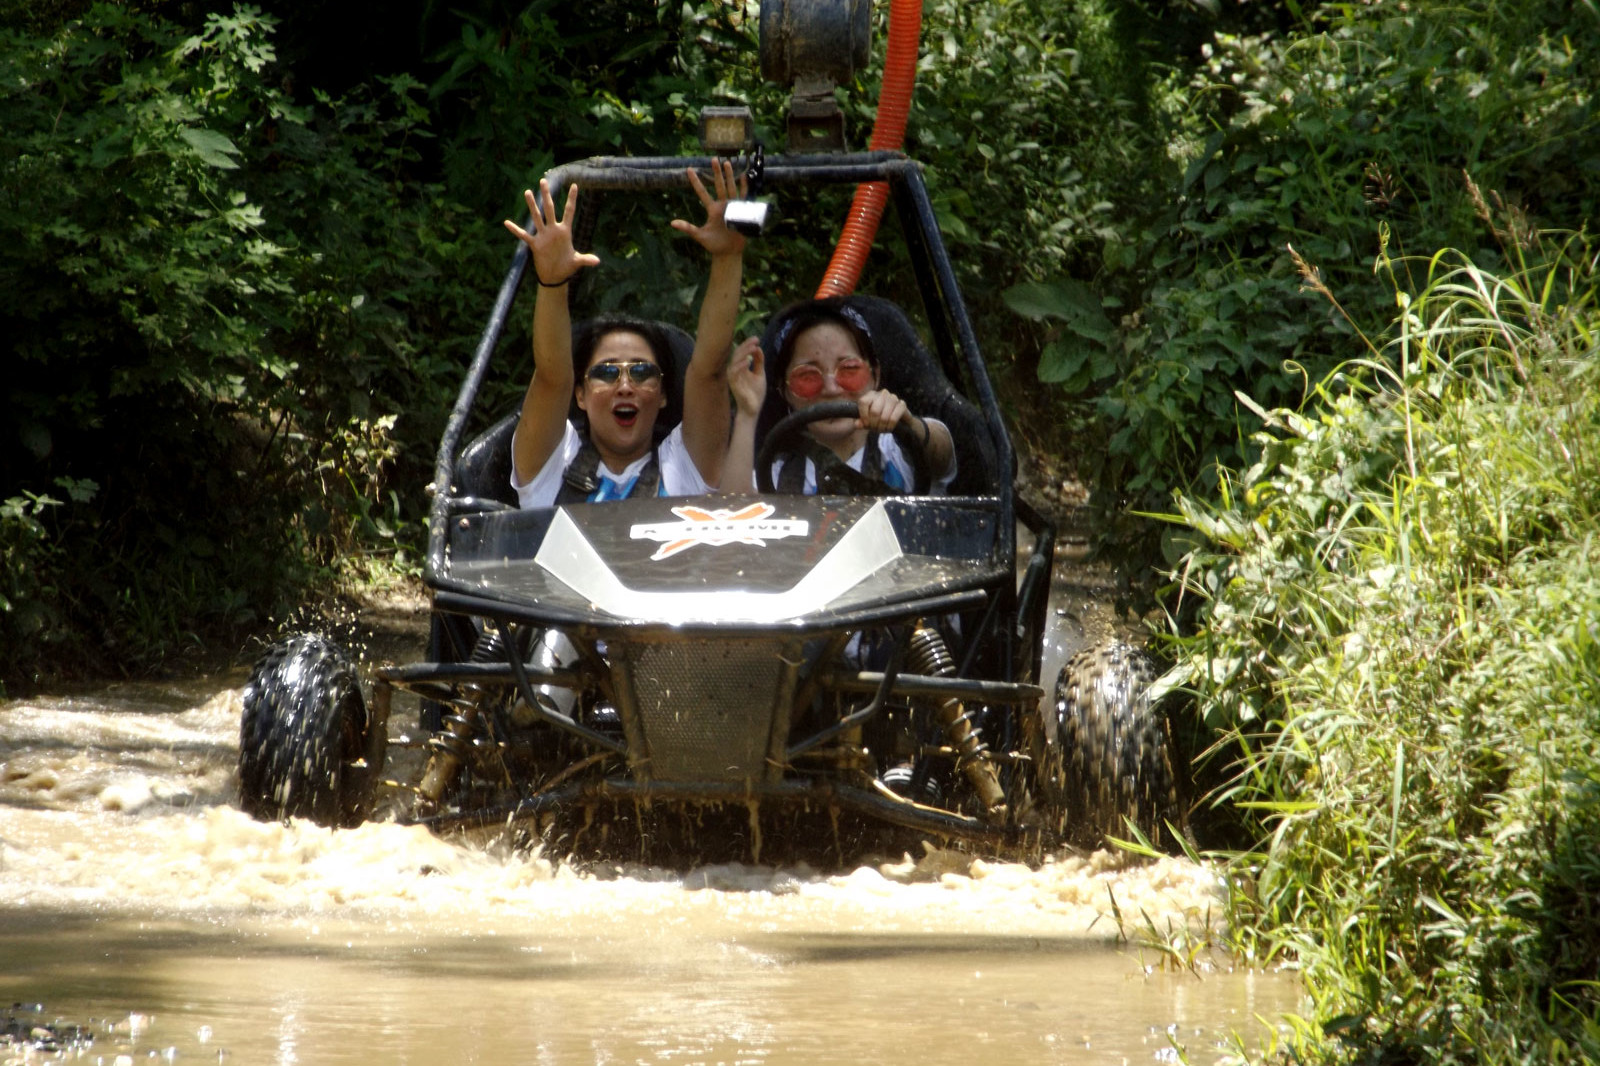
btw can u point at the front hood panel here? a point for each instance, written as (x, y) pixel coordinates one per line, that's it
(725, 559)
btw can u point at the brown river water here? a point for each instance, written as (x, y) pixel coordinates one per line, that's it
(138, 903)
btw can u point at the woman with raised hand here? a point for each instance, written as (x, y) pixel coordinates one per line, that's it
(618, 371)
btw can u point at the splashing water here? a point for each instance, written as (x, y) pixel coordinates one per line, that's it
(132, 887)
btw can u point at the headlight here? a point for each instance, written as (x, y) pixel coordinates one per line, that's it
(727, 130)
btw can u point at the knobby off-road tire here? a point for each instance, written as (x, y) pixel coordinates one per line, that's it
(1113, 761)
(307, 746)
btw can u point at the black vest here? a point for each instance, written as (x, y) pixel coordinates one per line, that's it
(835, 477)
(582, 477)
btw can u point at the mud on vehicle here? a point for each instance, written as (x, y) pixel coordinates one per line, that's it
(822, 670)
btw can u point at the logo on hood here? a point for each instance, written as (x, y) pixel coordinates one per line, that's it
(752, 524)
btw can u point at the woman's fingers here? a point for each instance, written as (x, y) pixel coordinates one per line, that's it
(541, 207)
(526, 235)
(700, 186)
(551, 241)
(723, 183)
(750, 358)
(542, 213)
(867, 403)
(881, 411)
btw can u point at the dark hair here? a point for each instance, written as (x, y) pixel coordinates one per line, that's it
(586, 337)
(796, 319)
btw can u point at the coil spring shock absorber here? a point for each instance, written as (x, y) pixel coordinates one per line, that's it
(452, 745)
(929, 656)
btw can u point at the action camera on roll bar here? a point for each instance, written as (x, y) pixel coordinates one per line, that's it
(748, 217)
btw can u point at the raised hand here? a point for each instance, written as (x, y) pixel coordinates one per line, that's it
(555, 260)
(715, 236)
(747, 377)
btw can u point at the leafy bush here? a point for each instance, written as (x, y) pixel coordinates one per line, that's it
(1364, 117)
(208, 290)
(132, 258)
(1399, 648)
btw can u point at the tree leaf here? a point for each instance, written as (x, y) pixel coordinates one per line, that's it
(1060, 360)
(212, 147)
(1063, 298)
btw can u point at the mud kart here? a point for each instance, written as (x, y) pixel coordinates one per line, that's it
(864, 664)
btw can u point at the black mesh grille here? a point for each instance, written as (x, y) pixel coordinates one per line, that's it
(706, 707)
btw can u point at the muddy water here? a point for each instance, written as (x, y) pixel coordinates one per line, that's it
(137, 902)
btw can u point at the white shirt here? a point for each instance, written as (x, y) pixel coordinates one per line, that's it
(679, 475)
(897, 471)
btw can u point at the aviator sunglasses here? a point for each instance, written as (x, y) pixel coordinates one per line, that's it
(851, 375)
(639, 374)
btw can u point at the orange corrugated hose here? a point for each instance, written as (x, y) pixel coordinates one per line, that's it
(889, 132)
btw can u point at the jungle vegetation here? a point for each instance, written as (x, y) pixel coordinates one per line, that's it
(1398, 663)
(1302, 291)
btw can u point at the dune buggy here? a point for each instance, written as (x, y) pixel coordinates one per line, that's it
(872, 660)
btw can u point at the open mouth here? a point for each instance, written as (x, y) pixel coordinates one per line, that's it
(625, 414)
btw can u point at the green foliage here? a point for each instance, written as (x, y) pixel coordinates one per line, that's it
(132, 259)
(1398, 646)
(1030, 118)
(523, 89)
(120, 215)
(1360, 116)
(28, 560)
(206, 289)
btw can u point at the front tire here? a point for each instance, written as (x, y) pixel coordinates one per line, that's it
(1114, 753)
(307, 744)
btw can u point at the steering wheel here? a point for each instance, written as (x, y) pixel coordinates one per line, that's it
(785, 436)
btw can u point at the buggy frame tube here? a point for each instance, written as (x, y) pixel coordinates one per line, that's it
(471, 673)
(1033, 598)
(911, 685)
(885, 686)
(928, 284)
(560, 721)
(451, 602)
(945, 274)
(449, 443)
(991, 618)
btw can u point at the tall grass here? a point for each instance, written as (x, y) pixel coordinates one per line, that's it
(1400, 652)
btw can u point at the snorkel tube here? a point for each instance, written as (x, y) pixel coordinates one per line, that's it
(888, 133)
